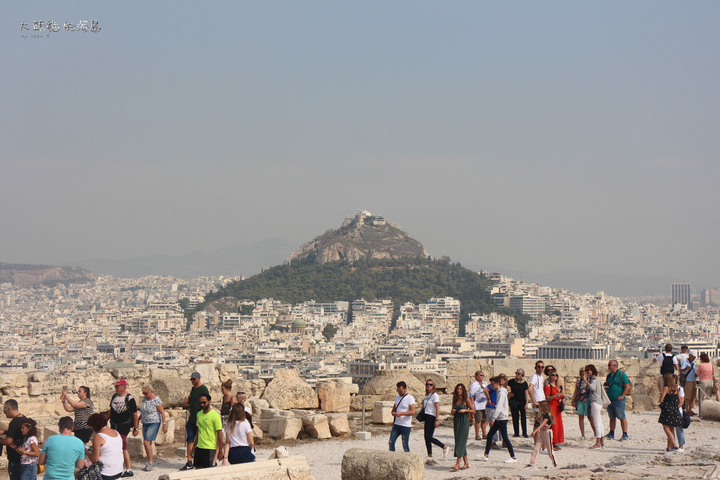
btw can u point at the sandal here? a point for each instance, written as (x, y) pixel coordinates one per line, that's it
(465, 467)
(477, 437)
(455, 468)
(596, 446)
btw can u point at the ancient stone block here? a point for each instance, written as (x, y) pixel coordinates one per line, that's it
(364, 464)
(339, 424)
(334, 396)
(382, 413)
(288, 390)
(316, 426)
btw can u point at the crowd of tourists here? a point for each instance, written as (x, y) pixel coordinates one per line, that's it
(94, 444)
(488, 405)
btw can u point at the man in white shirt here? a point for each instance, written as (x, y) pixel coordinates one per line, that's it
(403, 411)
(535, 391)
(477, 393)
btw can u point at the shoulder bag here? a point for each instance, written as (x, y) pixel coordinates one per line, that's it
(604, 396)
(421, 416)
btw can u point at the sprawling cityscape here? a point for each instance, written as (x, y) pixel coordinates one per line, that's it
(119, 321)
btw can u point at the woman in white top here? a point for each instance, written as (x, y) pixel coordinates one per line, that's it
(106, 447)
(431, 407)
(238, 437)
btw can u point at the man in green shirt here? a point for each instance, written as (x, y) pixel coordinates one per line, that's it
(193, 400)
(209, 439)
(617, 386)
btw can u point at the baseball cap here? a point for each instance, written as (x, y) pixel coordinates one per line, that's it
(195, 375)
(122, 381)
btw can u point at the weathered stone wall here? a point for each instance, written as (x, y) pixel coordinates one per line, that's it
(38, 392)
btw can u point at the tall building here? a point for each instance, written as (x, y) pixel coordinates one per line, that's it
(710, 296)
(681, 294)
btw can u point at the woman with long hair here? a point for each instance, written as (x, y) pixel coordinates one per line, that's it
(83, 408)
(595, 387)
(238, 437)
(463, 409)
(541, 433)
(29, 450)
(581, 402)
(431, 407)
(228, 399)
(669, 411)
(554, 395)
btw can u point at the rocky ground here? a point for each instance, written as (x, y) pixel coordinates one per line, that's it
(642, 456)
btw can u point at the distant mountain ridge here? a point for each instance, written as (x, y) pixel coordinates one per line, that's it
(365, 236)
(47, 275)
(236, 260)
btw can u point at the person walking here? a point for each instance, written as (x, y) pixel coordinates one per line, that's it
(541, 433)
(555, 396)
(403, 410)
(595, 388)
(82, 408)
(463, 408)
(517, 398)
(193, 402)
(208, 444)
(152, 415)
(431, 408)
(124, 417)
(500, 422)
(617, 385)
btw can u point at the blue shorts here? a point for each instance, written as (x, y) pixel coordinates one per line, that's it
(190, 432)
(583, 407)
(150, 431)
(616, 409)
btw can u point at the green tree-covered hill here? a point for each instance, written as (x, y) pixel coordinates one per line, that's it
(401, 281)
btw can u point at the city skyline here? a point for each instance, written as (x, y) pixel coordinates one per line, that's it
(538, 138)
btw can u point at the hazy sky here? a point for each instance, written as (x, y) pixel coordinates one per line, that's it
(538, 136)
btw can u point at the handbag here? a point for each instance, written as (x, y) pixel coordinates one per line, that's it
(561, 406)
(685, 419)
(91, 472)
(605, 398)
(421, 416)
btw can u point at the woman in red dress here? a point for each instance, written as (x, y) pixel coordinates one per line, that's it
(554, 395)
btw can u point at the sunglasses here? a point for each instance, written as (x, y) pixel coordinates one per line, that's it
(428, 384)
(539, 366)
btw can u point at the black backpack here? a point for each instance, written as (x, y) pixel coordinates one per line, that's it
(667, 364)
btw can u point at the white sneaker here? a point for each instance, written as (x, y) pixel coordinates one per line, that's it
(445, 451)
(681, 450)
(543, 452)
(511, 460)
(482, 457)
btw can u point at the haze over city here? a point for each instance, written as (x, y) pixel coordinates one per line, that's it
(518, 137)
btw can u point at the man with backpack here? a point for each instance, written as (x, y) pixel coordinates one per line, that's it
(123, 417)
(668, 364)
